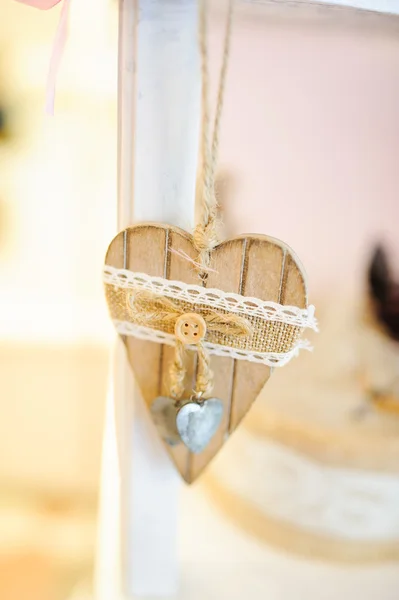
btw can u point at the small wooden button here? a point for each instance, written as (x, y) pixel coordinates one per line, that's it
(190, 328)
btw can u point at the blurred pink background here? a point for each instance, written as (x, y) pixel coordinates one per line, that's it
(311, 137)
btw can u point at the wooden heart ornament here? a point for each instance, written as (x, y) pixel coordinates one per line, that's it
(253, 276)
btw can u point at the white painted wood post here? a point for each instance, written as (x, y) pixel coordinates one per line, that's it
(158, 138)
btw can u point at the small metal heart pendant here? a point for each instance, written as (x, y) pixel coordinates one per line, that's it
(190, 422)
(164, 412)
(197, 423)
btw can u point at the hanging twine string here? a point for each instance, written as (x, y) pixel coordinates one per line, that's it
(206, 233)
(150, 310)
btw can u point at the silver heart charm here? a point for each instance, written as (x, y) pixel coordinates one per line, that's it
(164, 411)
(198, 423)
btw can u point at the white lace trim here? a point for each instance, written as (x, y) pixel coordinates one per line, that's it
(244, 305)
(270, 359)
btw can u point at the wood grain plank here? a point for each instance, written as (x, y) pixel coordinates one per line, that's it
(114, 256)
(226, 278)
(261, 278)
(146, 254)
(180, 269)
(294, 284)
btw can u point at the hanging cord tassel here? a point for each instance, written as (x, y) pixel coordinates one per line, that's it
(178, 371)
(204, 380)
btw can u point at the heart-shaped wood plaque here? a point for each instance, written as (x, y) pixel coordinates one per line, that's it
(250, 265)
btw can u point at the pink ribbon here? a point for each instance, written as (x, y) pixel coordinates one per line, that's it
(58, 46)
(42, 4)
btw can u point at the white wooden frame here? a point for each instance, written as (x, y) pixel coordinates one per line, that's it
(159, 110)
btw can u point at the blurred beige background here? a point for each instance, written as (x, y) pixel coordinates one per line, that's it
(58, 207)
(57, 215)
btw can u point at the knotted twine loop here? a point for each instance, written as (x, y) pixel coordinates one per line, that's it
(151, 310)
